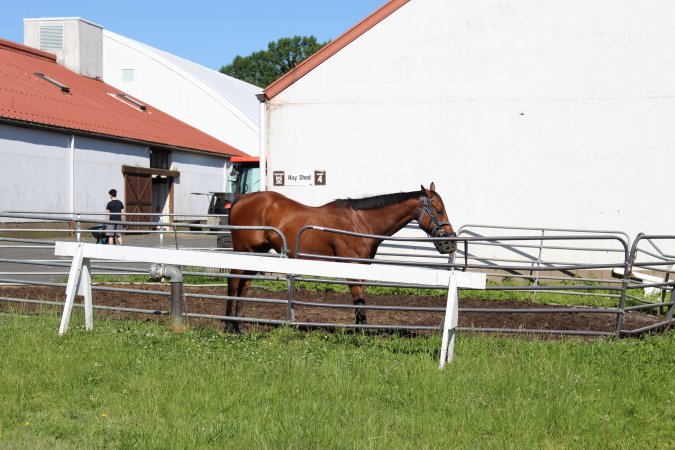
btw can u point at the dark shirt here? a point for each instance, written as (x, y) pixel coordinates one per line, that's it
(115, 206)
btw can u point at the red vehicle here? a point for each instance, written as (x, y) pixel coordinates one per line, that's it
(244, 178)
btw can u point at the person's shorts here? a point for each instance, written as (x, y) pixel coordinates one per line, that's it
(111, 229)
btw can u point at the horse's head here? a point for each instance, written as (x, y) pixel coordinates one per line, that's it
(433, 219)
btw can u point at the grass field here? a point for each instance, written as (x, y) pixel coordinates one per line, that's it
(135, 385)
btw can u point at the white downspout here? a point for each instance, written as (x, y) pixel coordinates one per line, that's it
(263, 141)
(75, 217)
(72, 175)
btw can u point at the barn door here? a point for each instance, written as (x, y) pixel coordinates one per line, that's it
(138, 198)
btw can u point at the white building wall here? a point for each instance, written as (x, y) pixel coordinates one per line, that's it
(166, 87)
(198, 173)
(98, 168)
(34, 170)
(524, 112)
(38, 169)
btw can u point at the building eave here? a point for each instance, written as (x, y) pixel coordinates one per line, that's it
(112, 138)
(331, 49)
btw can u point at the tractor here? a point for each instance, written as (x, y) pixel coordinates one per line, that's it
(243, 178)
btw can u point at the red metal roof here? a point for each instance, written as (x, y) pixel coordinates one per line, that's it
(245, 159)
(91, 106)
(329, 50)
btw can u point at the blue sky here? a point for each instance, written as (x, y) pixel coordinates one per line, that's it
(210, 33)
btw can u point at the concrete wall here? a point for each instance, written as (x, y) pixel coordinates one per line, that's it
(524, 112)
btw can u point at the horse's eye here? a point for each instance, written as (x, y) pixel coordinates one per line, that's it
(439, 211)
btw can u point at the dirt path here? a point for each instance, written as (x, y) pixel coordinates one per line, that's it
(578, 320)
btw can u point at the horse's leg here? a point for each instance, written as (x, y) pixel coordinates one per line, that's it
(236, 287)
(232, 306)
(244, 284)
(359, 300)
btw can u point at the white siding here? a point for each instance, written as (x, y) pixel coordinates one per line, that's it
(98, 168)
(524, 112)
(36, 172)
(198, 173)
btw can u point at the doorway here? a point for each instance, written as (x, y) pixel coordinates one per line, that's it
(161, 186)
(147, 191)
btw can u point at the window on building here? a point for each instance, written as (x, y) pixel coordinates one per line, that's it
(128, 75)
(159, 159)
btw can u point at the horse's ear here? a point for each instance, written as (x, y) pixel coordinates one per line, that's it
(432, 188)
(424, 191)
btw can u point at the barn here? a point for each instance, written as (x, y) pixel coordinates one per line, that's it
(66, 139)
(523, 112)
(217, 104)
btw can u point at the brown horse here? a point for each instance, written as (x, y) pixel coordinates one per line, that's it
(381, 215)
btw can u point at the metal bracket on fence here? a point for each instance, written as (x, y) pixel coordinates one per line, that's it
(175, 276)
(290, 312)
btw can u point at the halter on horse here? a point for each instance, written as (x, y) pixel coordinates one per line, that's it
(438, 230)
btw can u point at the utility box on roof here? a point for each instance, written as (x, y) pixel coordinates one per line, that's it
(77, 43)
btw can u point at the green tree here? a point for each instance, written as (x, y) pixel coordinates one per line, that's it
(265, 66)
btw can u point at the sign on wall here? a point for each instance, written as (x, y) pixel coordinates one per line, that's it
(299, 178)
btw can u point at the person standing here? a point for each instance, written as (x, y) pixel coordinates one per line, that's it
(114, 209)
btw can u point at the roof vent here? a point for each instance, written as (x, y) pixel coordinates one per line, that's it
(134, 102)
(65, 89)
(51, 37)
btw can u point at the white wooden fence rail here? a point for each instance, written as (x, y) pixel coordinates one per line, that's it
(79, 280)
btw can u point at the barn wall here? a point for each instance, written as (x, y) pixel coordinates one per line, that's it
(37, 167)
(527, 112)
(36, 172)
(198, 173)
(98, 168)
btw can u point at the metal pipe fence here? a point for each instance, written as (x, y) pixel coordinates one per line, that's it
(531, 272)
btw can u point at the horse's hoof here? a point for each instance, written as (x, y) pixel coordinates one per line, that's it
(232, 327)
(360, 312)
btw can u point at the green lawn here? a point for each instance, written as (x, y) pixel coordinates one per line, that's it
(135, 385)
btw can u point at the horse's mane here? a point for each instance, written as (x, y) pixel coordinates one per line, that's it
(375, 202)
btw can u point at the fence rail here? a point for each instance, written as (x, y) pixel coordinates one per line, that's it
(608, 274)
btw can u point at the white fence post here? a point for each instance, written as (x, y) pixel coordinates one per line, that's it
(78, 268)
(161, 230)
(468, 280)
(85, 290)
(450, 322)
